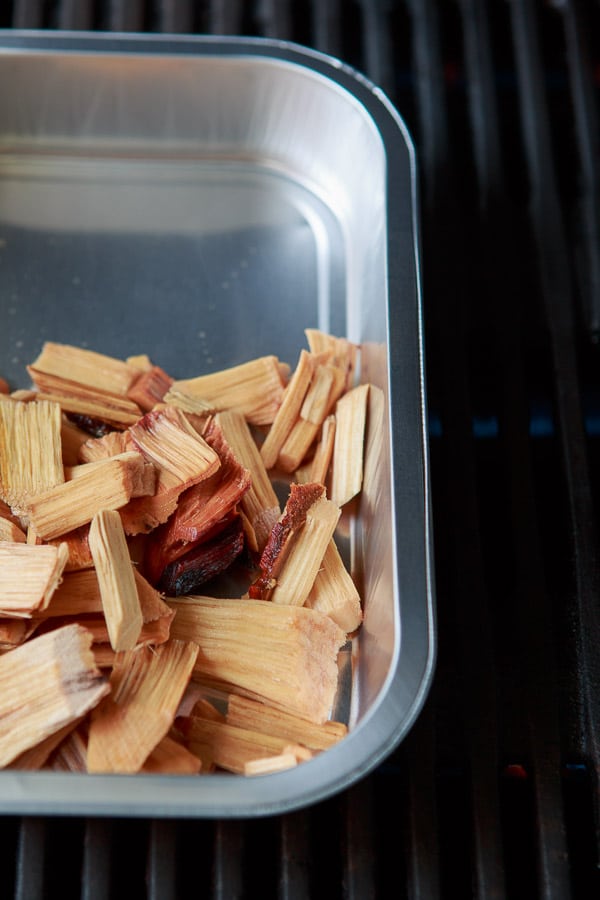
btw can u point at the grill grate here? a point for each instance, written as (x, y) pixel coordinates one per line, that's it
(495, 791)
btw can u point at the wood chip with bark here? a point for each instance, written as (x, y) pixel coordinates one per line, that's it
(303, 561)
(260, 504)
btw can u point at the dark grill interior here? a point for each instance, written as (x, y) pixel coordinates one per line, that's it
(495, 791)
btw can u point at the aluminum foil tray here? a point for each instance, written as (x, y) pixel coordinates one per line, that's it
(204, 201)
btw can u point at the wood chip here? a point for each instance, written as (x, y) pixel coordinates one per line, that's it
(71, 753)
(169, 757)
(301, 497)
(348, 451)
(269, 764)
(30, 450)
(147, 686)
(300, 567)
(78, 400)
(321, 461)
(244, 642)
(335, 593)
(87, 367)
(260, 503)
(29, 575)
(182, 458)
(227, 746)
(150, 388)
(254, 388)
(107, 484)
(46, 683)
(118, 589)
(289, 410)
(246, 713)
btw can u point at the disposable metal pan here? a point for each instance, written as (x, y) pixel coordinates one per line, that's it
(204, 201)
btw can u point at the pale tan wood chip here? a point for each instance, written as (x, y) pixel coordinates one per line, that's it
(335, 593)
(316, 403)
(204, 709)
(260, 503)
(169, 757)
(47, 682)
(111, 444)
(71, 753)
(79, 594)
(255, 388)
(246, 713)
(344, 353)
(348, 450)
(147, 686)
(91, 401)
(321, 461)
(188, 403)
(140, 361)
(37, 756)
(146, 474)
(88, 367)
(289, 410)
(227, 746)
(297, 575)
(30, 450)
(244, 642)
(297, 445)
(269, 764)
(107, 484)
(116, 579)
(168, 440)
(29, 575)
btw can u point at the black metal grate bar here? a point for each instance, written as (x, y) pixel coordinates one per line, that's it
(28, 14)
(588, 144)
(31, 859)
(454, 487)
(326, 17)
(122, 16)
(75, 15)
(225, 17)
(557, 291)
(294, 869)
(96, 864)
(175, 16)
(274, 18)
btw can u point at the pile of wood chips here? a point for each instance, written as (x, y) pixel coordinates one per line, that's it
(123, 493)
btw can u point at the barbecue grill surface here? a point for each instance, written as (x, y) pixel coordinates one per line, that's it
(495, 791)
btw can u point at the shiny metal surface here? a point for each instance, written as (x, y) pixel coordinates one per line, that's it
(204, 201)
